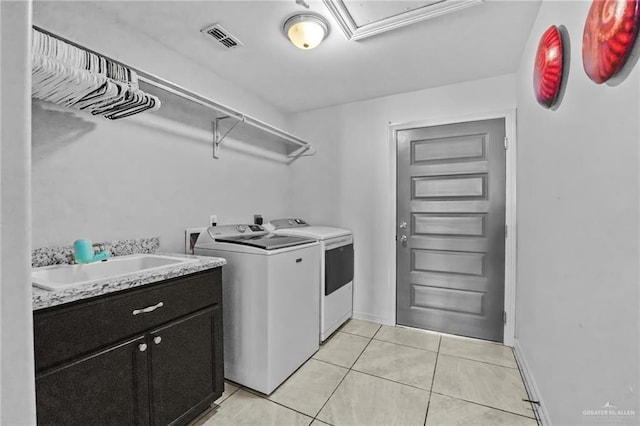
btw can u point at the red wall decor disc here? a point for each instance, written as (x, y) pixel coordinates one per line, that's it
(608, 37)
(547, 72)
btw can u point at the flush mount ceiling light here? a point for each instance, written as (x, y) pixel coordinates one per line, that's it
(306, 30)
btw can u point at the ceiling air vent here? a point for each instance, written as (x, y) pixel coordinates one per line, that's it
(222, 36)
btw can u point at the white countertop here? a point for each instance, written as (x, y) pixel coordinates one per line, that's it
(46, 299)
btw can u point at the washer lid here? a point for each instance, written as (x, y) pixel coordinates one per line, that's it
(266, 242)
(317, 232)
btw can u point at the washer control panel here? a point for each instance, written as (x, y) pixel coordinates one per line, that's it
(234, 230)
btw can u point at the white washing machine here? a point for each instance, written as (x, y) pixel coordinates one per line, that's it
(336, 269)
(270, 302)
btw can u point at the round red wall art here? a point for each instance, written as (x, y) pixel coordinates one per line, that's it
(608, 38)
(547, 72)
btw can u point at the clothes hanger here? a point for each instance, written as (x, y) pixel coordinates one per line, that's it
(105, 105)
(73, 77)
(149, 103)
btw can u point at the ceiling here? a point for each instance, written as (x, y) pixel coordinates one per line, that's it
(477, 42)
(372, 11)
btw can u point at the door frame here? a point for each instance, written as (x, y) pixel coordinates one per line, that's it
(510, 205)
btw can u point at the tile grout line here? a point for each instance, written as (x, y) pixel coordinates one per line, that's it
(330, 363)
(364, 349)
(406, 346)
(356, 334)
(289, 408)
(392, 381)
(433, 379)
(344, 377)
(266, 398)
(486, 406)
(483, 362)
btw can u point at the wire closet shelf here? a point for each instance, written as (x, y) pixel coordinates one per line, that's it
(224, 120)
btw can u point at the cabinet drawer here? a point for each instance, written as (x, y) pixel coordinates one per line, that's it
(65, 332)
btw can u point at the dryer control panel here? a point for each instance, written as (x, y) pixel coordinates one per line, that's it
(288, 223)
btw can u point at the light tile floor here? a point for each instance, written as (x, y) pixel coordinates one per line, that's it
(368, 374)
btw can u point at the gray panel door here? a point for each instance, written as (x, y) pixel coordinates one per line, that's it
(450, 208)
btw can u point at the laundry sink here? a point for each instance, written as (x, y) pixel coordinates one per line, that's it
(64, 276)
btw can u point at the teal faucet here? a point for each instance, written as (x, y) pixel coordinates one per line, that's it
(84, 252)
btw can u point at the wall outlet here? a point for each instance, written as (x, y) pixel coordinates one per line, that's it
(190, 237)
(213, 220)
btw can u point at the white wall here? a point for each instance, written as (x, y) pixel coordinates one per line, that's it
(144, 176)
(350, 182)
(578, 247)
(17, 381)
(104, 180)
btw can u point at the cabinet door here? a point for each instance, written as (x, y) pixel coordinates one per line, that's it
(186, 366)
(107, 388)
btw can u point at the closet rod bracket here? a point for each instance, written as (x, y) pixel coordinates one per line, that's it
(217, 137)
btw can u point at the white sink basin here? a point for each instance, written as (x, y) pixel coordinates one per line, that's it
(64, 276)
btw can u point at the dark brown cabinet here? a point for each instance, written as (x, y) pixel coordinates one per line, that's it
(180, 383)
(103, 388)
(161, 367)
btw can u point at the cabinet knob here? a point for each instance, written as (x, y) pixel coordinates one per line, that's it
(142, 347)
(157, 340)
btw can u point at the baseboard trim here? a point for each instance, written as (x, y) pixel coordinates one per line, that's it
(372, 317)
(540, 410)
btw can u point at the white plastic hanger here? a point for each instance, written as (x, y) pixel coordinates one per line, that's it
(73, 77)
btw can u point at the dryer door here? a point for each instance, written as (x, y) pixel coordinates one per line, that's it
(338, 268)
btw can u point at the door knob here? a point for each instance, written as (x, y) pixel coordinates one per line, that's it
(157, 340)
(142, 347)
(403, 225)
(403, 239)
